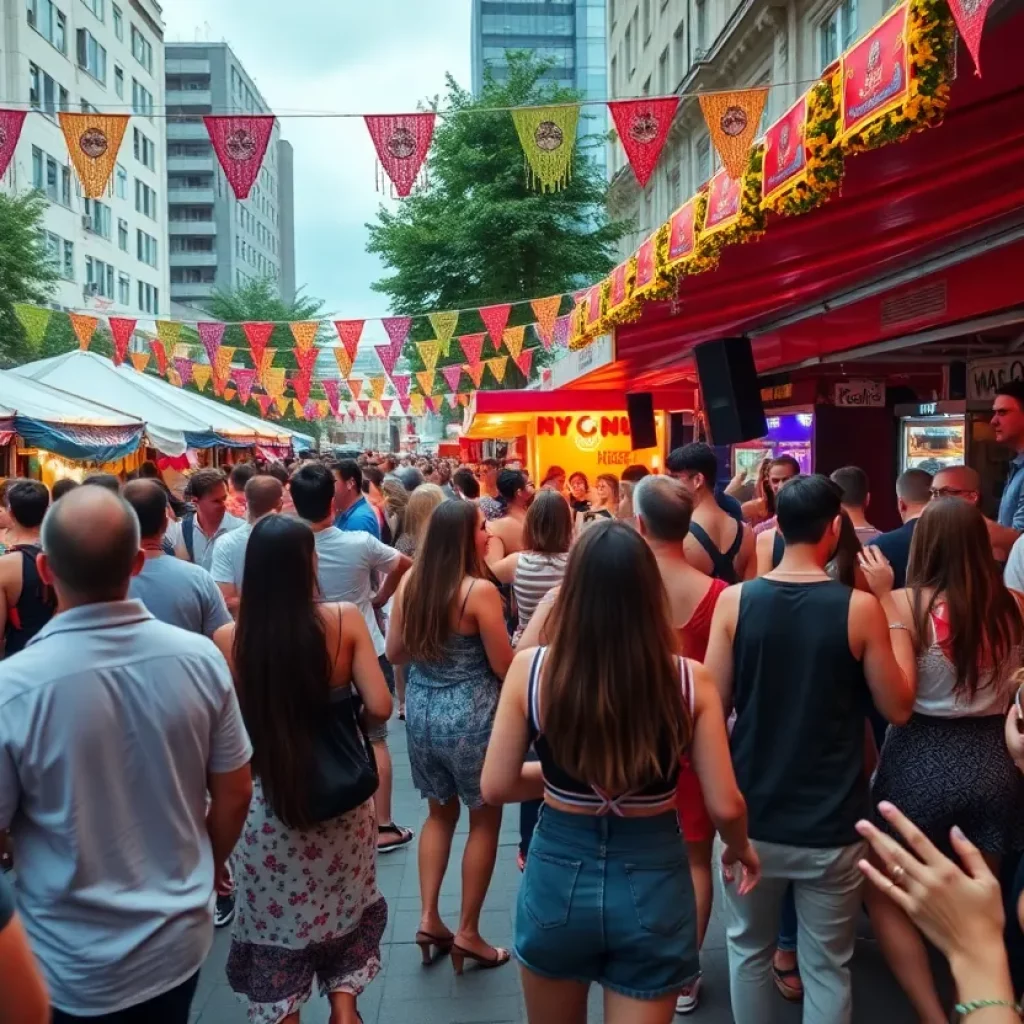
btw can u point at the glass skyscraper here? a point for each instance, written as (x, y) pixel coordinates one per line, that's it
(570, 32)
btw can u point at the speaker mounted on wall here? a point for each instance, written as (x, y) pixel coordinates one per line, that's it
(640, 409)
(730, 391)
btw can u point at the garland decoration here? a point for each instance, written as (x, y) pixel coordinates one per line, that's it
(723, 227)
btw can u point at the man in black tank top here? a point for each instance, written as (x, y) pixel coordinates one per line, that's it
(717, 544)
(800, 657)
(26, 603)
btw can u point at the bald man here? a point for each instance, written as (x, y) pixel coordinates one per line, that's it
(964, 483)
(264, 496)
(113, 728)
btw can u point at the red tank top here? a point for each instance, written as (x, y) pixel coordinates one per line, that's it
(697, 632)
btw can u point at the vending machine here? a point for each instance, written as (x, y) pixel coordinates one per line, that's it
(789, 433)
(932, 436)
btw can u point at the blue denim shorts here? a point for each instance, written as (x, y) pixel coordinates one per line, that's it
(609, 901)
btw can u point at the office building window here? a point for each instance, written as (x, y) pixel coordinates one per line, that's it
(145, 199)
(124, 289)
(702, 29)
(118, 21)
(51, 176)
(142, 99)
(68, 269)
(44, 93)
(837, 32)
(97, 218)
(121, 182)
(149, 298)
(92, 58)
(145, 151)
(122, 235)
(119, 81)
(61, 253)
(45, 17)
(702, 163)
(96, 6)
(147, 248)
(142, 49)
(664, 74)
(99, 276)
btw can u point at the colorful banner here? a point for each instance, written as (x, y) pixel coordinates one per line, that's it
(497, 366)
(364, 408)
(355, 385)
(785, 155)
(403, 404)
(643, 126)
(875, 75)
(84, 327)
(229, 394)
(240, 142)
(211, 334)
(444, 325)
(562, 331)
(306, 360)
(387, 356)
(452, 375)
(401, 141)
(472, 347)
(495, 319)
(425, 379)
(476, 372)
(646, 266)
(429, 352)
(331, 390)
(93, 141)
(417, 405)
(723, 202)
(201, 374)
(264, 364)
(275, 381)
(301, 384)
(525, 362)
(244, 380)
(33, 319)
(265, 402)
(297, 410)
(397, 328)
(222, 364)
(183, 368)
(546, 312)
(140, 360)
(548, 137)
(401, 383)
(733, 118)
(514, 339)
(619, 285)
(11, 123)
(386, 405)
(304, 332)
(344, 361)
(258, 335)
(377, 386)
(121, 330)
(169, 332)
(682, 233)
(969, 16)
(594, 305)
(350, 331)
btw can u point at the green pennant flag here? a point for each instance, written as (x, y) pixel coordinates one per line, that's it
(35, 320)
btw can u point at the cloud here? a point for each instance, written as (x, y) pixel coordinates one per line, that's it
(383, 56)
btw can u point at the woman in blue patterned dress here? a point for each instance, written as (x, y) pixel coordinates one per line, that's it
(448, 630)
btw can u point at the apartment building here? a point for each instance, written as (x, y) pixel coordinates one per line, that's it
(218, 242)
(84, 55)
(661, 47)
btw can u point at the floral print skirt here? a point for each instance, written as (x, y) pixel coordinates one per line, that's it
(308, 910)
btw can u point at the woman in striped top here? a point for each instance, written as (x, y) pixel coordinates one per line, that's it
(532, 572)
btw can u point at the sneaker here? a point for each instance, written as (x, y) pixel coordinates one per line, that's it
(689, 998)
(225, 912)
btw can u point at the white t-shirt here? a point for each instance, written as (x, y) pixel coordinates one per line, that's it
(347, 562)
(1013, 574)
(228, 565)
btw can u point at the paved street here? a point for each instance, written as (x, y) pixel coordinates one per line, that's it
(406, 993)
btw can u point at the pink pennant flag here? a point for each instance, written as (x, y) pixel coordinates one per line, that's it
(525, 361)
(265, 402)
(350, 331)
(364, 407)
(244, 380)
(331, 389)
(11, 123)
(387, 404)
(561, 336)
(258, 335)
(495, 319)
(184, 368)
(210, 334)
(401, 141)
(404, 405)
(401, 383)
(472, 347)
(240, 142)
(310, 410)
(429, 399)
(452, 375)
(387, 356)
(121, 329)
(970, 22)
(398, 331)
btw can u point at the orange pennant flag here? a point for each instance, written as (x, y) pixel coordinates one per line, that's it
(140, 360)
(85, 327)
(497, 366)
(426, 381)
(201, 374)
(93, 141)
(355, 385)
(514, 338)
(733, 119)
(304, 332)
(264, 365)
(344, 361)
(222, 362)
(476, 372)
(546, 312)
(229, 394)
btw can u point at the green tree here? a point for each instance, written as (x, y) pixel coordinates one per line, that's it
(27, 274)
(477, 234)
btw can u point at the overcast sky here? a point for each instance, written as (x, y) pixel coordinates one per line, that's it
(363, 56)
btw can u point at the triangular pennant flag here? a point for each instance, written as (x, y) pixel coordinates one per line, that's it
(429, 352)
(350, 331)
(183, 367)
(364, 407)
(201, 374)
(476, 372)
(546, 312)
(444, 325)
(452, 375)
(387, 356)
(643, 126)
(525, 362)
(240, 142)
(514, 339)
(305, 332)
(121, 330)
(158, 350)
(561, 333)
(465, 399)
(266, 361)
(548, 136)
(425, 379)
(472, 347)
(733, 118)
(398, 330)
(301, 385)
(173, 378)
(264, 402)
(377, 386)
(403, 404)
(93, 141)
(417, 405)
(282, 404)
(211, 333)
(244, 380)
(969, 16)
(297, 411)
(355, 385)
(453, 400)
(34, 319)
(229, 394)
(140, 360)
(306, 360)
(168, 331)
(323, 409)
(11, 123)
(497, 366)
(274, 381)
(495, 319)
(401, 383)
(331, 390)
(222, 362)
(258, 335)
(401, 141)
(310, 409)
(387, 404)
(343, 359)
(84, 327)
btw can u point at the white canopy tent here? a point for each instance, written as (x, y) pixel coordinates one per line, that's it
(39, 401)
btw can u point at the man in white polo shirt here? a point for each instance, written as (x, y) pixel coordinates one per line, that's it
(113, 728)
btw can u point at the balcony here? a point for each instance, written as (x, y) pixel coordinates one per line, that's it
(189, 98)
(193, 259)
(190, 164)
(192, 227)
(183, 292)
(187, 67)
(186, 131)
(190, 196)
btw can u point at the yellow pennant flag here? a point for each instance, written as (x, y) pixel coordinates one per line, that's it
(497, 367)
(444, 325)
(377, 386)
(222, 362)
(140, 360)
(304, 332)
(274, 381)
(546, 312)
(323, 408)
(426, 381)
(343, 360)
(548, 136)
(84, 327)
(733, 119)
(429, 352)
(93, 141)
(417, 405)
(297, 409)
(282, 404)
(168, 331)
(266, 362)
(201, 374)
(514, 338)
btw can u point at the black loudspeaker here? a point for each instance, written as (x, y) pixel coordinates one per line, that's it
(732, 396)
(957, 381)
(679, 431)
(640, 409)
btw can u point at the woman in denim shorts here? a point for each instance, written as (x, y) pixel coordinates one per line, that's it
(610, 708)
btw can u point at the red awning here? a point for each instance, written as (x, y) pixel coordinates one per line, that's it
(900, 206)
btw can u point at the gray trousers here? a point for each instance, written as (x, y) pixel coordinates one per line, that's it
(827, 886)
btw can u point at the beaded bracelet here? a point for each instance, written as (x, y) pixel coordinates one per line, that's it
(965, 1009)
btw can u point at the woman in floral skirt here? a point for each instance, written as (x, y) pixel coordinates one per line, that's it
(309, 907)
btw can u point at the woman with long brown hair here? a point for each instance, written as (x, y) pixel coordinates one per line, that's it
(448, 631)
(949, 764)
(610, 709)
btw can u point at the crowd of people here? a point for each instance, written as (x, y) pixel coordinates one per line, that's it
(695, 695)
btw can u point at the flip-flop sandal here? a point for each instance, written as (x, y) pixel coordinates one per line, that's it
(391, 829)
(783, 982)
